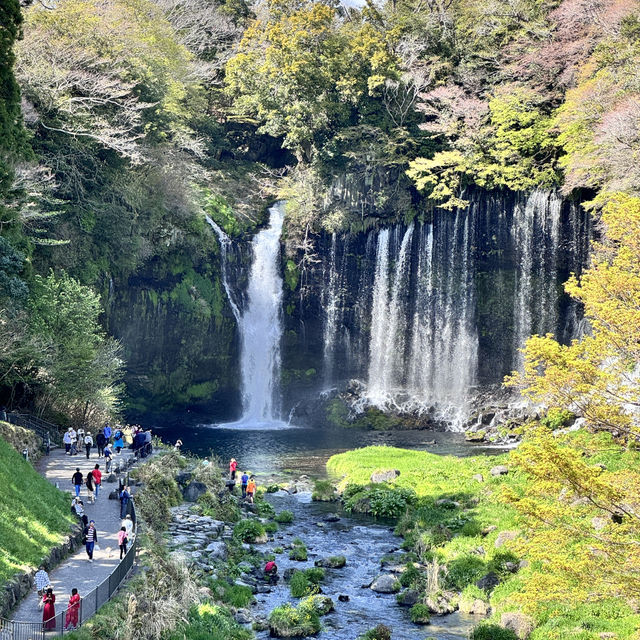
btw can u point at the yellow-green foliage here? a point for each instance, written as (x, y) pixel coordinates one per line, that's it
(34, 515)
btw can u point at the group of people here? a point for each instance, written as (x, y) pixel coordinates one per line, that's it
(47, 600)
(93, 482)
(247, 482)
(127, 436)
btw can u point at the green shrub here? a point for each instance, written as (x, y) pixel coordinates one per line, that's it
(278, 550)
(235, 595)
(411, 576)
(464, 570)
(420, 614)
(284, 517)
(300, 585)
(210, 622)
(248, 530)
(318, 604)
(492, 632)
(273, 488)
(287, 621)
(557, 418)
(299, 553)
(223, 508)
(381, 502)
(498, 563)
(381, 632)
(270, 527)
(324, 491)
(158, 495)
(264, 509)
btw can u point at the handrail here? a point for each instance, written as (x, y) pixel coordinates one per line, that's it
(89, 603)
(49, 432)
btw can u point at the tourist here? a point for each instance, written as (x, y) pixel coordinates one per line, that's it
(118, 441)
(73, 609)
(244, 480)
(233, 465)
(107, 432)
(124, 501)
(77, 506)
(77, 479)
(127, 523)
(271, 572)
(108, 457)
(251, 489)
(80, 436)
(90, 538)
(177, 445)
(74, 441)
(97, 479)
(66, 439)
(49, 612)
(90, 487)
(88, 443)
(122, 541)
(41, 580)
(100, 442)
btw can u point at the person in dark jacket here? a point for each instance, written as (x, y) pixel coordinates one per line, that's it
(77, 479)
(90, 487)
(101, 441)
(124, 501)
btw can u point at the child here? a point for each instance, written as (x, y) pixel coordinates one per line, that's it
(251, 489)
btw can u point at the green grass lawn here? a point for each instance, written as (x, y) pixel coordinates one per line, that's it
(34, 515)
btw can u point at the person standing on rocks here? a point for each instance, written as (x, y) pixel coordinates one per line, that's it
(251, 489)
(77, 479)
(244, 480)
(233, 466)
(90, 538)
(97, 479)
(88, 443)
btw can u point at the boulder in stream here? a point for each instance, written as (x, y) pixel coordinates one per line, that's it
(408, 597)
(332, 562)
(385, 583)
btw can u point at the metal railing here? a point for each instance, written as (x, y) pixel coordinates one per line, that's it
(62, 622)
(49, 433)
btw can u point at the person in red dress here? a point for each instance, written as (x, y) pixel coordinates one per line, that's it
(73, 609)
(49, 611)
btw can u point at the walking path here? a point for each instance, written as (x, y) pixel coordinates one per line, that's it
(76, 571)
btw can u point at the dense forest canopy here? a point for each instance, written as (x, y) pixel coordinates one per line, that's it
(123, 121)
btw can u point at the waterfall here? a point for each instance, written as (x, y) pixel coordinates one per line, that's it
(261, 329)
(437, 310)
(225, 243)
(536, 235)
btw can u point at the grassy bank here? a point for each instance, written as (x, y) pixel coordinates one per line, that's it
(462, 529)
(34, 515)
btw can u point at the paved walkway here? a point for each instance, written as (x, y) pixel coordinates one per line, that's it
(76, 571)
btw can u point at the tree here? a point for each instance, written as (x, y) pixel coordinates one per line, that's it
(80, 365)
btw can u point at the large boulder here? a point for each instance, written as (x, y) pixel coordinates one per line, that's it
(521, 624)
(184, 477)
(217, 550)
(488, 582)
(408, 597)
(385, 583)
(384, 475)
(332, 562)
(193, 491)
(442, 603)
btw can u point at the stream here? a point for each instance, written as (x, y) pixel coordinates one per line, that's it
(363, 541)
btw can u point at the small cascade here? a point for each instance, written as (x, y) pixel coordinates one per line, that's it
(225, 244)
(331, 304)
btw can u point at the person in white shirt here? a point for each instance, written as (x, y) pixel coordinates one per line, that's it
(88, 443)
(41, 580)
(127, 523)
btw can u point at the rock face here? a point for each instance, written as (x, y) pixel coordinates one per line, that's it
(384, 475)
(442, 603)
(521, 624)
(488, 582)
(477, 607)
(193, 491)
(385, 584)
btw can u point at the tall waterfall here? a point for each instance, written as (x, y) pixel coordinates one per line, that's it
(423, 314)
